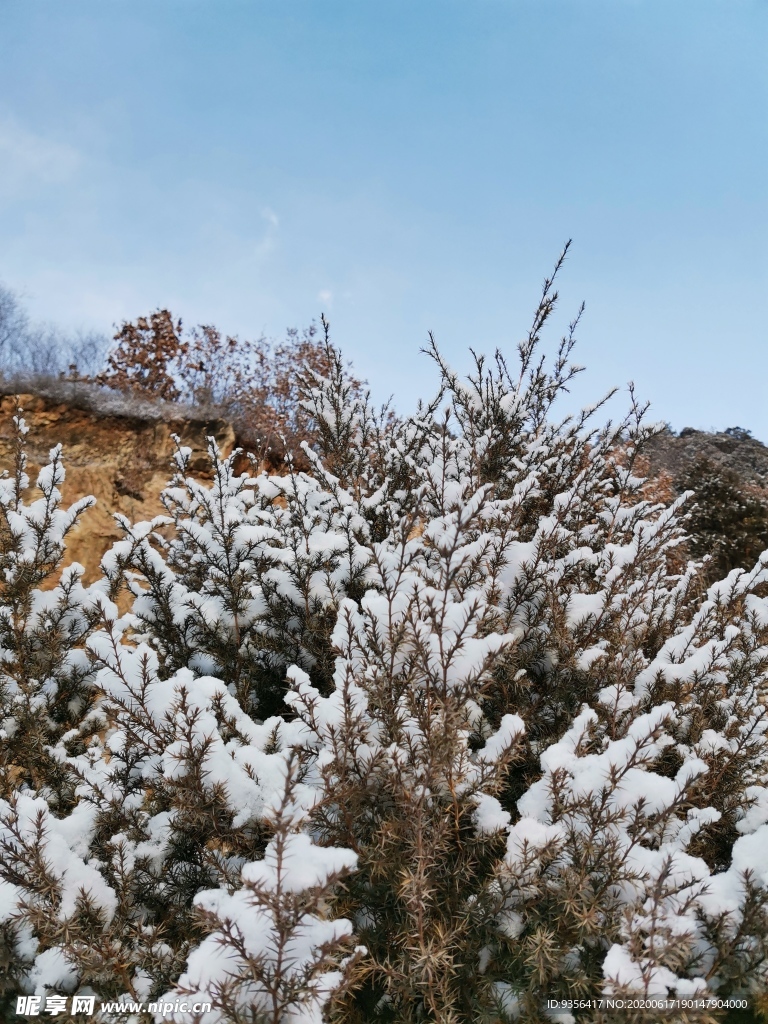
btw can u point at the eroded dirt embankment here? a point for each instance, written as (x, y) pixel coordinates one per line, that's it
(122, 460)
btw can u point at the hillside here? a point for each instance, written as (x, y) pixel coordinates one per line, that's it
(728, 474)
(735, 451)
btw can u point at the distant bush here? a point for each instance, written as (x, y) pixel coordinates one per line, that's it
(146, 357)
(739, 432)
(728, 518)
(256, 383)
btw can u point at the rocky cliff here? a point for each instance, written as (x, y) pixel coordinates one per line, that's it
(734, 450)
(122, 459)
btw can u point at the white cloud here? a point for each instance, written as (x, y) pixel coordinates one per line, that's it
(326, 297)
(266, 244)
(270, 217)
(28, 159)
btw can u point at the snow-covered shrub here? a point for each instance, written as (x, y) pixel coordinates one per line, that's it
(46, 684)
(251, 578)
(271, 945)
(434, 731)
(547, 753)
(182, 802)
(105, 844)
(47, 694)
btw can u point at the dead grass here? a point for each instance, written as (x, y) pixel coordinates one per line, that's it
(104, 401)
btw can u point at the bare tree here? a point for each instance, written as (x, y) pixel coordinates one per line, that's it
(45, 350)
(13, 326)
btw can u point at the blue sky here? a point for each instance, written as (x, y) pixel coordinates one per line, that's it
(403, 166)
